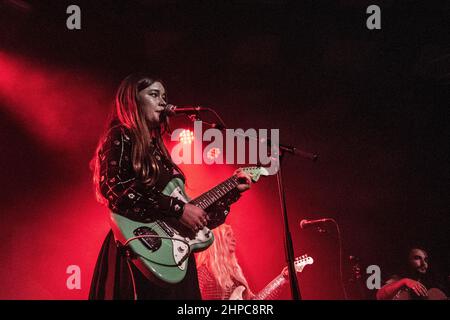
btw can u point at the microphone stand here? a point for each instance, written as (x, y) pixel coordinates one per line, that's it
(289, 248)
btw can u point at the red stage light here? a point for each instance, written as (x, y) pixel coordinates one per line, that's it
(50, 109)
(186, 136)
(213, 153)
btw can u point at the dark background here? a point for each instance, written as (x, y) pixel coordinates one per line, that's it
(374, 104)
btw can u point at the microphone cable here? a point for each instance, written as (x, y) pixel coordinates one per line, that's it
(341, 273)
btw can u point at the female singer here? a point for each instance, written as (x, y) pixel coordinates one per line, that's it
(131, 167)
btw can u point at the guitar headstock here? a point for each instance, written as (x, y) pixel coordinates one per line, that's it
(299, 263)
(302, 261)
(256, 172)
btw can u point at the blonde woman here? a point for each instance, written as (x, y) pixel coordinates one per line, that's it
(219, 272)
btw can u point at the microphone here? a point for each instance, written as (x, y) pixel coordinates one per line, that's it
(171, 110)
(309, 223)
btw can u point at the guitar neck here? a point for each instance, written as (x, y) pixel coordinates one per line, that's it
(272, 289)
(210, 197)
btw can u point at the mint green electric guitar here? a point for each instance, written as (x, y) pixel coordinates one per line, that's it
(160, 249)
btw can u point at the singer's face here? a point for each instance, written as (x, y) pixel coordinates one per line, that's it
(152, 100)
(418, 260)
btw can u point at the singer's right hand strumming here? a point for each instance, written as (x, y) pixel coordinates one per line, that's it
(194, 217)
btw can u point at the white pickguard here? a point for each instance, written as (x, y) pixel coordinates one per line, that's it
(178, 193)
(180, 248)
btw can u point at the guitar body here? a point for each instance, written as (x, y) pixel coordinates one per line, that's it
(238, 293)
(160, 249)
(433, 294)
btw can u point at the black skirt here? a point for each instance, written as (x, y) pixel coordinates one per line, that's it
(112, 279)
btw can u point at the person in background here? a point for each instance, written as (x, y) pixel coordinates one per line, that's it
(415, 281)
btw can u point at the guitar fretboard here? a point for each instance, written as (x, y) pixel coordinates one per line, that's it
(210, 197)
(272, 289)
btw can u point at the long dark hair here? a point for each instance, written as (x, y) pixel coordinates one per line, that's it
(129, 113)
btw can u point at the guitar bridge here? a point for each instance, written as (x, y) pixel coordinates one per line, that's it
(152, 242)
